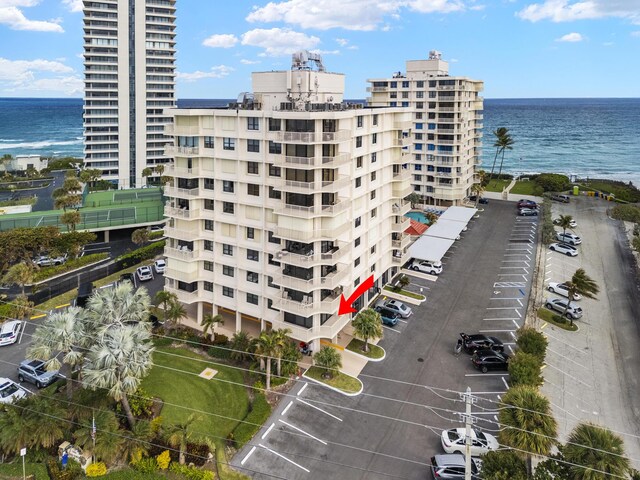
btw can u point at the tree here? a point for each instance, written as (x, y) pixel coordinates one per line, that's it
(117, 306)
(240, 346)
(328, 359)
(20, 274)
(140, 236)
(176, 313)
(506, 143)
(412, 198)
(72, 242)
(527, 423)
(178, 435)
(525, 369)
(266, 346)
(159, 169)
(61, 334)
(21, 307)
(503, 465)
(477, 189)
(595, 453)
(67, 201)
(282, 340)
(582, 284)
(529, 340)
(135, 445)
(367, 324)
(209, 322)
(71, 219)
(166, 299)
(564, 222)
(146, 173)
(109, 438)
(72, 185)
(499, 133)
(90, 175)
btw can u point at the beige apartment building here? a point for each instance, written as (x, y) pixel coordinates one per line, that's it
(285, 200)
(446, 144)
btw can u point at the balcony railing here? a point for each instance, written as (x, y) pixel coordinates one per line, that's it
(181, 192)
(180, 253)
(404, 241)
(401, 190)
(178, 212)
(401, 208)
(181, 233)
(313, 137)
(302, 260)
(311, 235)
(173, 171)
(406, 125)
(173, 151)
(312, 211)
(311, 162)
(402, 225)
(402, 142)
(184, 296)
(402, 176)
(307, 307)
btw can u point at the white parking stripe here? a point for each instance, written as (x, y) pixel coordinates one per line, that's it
(319, 409)
(483, 375)
(302, 389)
(505, 383)
(500, 318)
(287, 407)
(253, 449)
(495, 331)
(302, 431)
(390, 329)
(284, 458)
(268, 430)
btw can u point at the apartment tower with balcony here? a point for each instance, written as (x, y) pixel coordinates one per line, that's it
(446, 142)
(285, 200)
(129, 61)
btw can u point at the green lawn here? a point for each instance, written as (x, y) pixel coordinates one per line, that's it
(550, 317)
(14, 470)
(496, 185)
(215, 396)
(526, 187)
(355, 345)
(340, 380)
(406, 293)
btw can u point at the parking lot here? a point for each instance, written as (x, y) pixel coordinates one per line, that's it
(394, 427)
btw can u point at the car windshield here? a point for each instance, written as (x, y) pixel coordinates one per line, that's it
(481, 436)
(6, 335)
(8, 389)
(41, 370)
(453, 434)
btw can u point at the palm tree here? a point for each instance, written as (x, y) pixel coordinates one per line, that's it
(527, 423)
(583, 284)
(209, 322)
(119, 361)
(506, 143)
(21, 307)
(564, 222)
(240, 346)
(179, 435)
(109, 438)
(282, 339)
(50, 428)
(266, 347)
(146, 173)
(367, 324)
(329, 360)
(20, 274)
(595, 453)
(477, 189)
(499, 133)
(135, 445)
(71, 219)
(412, 198)
(120, 305)
(16, 429)
(61, 334)
(176, 313)
(159, 169)
(166, 299)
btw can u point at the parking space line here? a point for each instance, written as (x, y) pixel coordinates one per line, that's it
(496, 318)
(390, 329)
(268, 430)
(302, 389)
(246, 457)
(302, 431)
(567, 358)
(506, 385)
(516, 323)
(570, 376)
(505, 298)
(496, 331)
(483, 375)
(503, 308)
(518, 313)
(317, 408)
(287, 408)
(285, 458)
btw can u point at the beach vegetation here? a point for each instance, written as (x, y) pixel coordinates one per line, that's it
(628, 213)
(625, 191)
(552, 182)
(64, 163)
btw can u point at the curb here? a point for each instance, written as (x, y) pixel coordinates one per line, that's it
(337, 389)
(399, 296)
(369, 359)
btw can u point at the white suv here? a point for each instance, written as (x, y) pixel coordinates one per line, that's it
(433, 268)
(564, 248)
(571, 238)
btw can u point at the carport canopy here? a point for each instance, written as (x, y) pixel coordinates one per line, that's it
(430, 248)
(459, 214)
(449, 229)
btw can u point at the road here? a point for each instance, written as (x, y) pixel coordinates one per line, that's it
(393, 428)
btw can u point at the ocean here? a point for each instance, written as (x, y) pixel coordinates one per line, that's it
(597, 137)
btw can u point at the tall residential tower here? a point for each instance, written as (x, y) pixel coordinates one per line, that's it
(129, 52)
(447, 126)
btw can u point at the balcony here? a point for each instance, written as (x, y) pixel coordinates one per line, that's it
(181, 233)
(377, 89)
(401, 190)
(402, 176)
(311, 235)
(300, 211)
(313, 137)
(403, 242)
(187, 277)
(178, 212)
(340, 181)
(180, 253)
(401, 226)
(173, 171)
(187, 297)
(402, 142)
(173, 151)
(406, 125)
(311, 162)
(181, 192)
(307, 307)
(401, 208)
(311, 259)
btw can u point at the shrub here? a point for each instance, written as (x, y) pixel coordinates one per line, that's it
(96, 470)
(48, 272)
(636, 244)
(525, 369)
(503, 465)
(56, 472)
(552, 182)
(221, 340)
(155, 235)
(164, 459)
(533, 342)
(191, 473)
(147, 465)
(629, 213)
(259, 413)
(141, 404)
(140, 254)
(221, 353)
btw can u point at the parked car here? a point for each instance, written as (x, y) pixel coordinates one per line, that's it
(570, 238)
(471, 343)
(572, 223)
(144, 273)
(10, 331)
(10, 391)
(560, 305)
(85, 291)
(564, 248)
(528, 212)
(47, 261)
(485, 360)
(453, 441)
(389, 317)
(562, 289)
(34, 371)
(157, 228)
(482, 200)
(451, 467)
(561, 198)
(128, 277)
(522, 203)
(426, 266)
(399, 308)
(159, 265)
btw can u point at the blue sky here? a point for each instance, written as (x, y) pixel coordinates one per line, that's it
(521, 49)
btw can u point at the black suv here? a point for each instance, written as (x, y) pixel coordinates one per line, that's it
(34, 371)
(471, 343)
(485, 360)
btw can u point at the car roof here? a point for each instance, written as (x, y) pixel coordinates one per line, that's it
(486, 353)
(144, 267)
(450, 459)
(9, 325)
(31, 363)
(160, 260)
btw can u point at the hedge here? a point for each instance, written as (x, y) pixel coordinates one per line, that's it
(260, 411)
(39, 470)
(142, 253)
(48, 272)
(191, 473)
(132, 475)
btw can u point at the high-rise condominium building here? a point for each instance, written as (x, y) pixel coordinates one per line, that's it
(129, 59)
(447, 126)
(285, 200)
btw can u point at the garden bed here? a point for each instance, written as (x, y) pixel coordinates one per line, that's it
(554, 319)
(340, 381)
(375, 352)
(406, 293)
(48, 272)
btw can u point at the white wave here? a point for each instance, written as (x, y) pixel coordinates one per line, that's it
(9, 140)
(36, 145)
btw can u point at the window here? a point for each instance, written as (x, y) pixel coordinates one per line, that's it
(229, 143)
(208, 245)
(208, 266)
(276, 194)
(208, 225)
(419, 104)
(419, 94)
(275, 148)
(252, 168)
(405, 84)
(393, 95)
(374, 138)
(372, 250)
(358, 142)
(374, 157)
(418, 157)
(420, 84)
(274, 171)
(252, 277)
(227, 270)
(228, 207)
(359, 121)
(417, 178)
(358, 222)
(253, 123)
(419, 116)
(253, 255)
(357, 262)
(253, 189)
(405, 104)
(208, 142)
(357, 242)
(373, 194)
(393, 85)
(359, 162)
(272, 238)
(227, 249)
(251, 233)
(252, 298)
(418, 136)
(373, 268)
(208, 204)
(208, 286)
(227, 292)
(393, 104)
(358, 182)
(274, 124)
(374, 212)
(208, 183)
(373, 176)
(419, 126)
(253, 145)
(375, 119)
(227, 186)
(405, 94)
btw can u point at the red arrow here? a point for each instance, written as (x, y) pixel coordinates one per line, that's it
(345, 305)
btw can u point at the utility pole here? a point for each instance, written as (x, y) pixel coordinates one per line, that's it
(469, 400)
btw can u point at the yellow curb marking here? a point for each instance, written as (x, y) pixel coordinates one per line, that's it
(544, 326)
(37, 316)
(65, 305)
(334, 345)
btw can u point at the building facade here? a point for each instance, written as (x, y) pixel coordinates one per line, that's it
(284, 201)
(446, 145)
(129, 61)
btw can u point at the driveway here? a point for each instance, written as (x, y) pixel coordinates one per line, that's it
(394, 427)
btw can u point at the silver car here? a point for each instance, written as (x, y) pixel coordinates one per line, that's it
(450, 466)
(560, 305)
(399, 308)
(34, 371)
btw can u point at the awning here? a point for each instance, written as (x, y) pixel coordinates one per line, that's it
(459, 214)
(430, 248)
(449, 229)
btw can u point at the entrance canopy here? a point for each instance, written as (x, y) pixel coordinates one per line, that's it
(430, 248)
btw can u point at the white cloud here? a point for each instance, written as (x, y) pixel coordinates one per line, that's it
(12, 16)
(23, 76)
(22, 71)
(636, 33)
(244, 61)
(343, 42)
(279, 41)
(570, 37)
(220, 41)
(73, 5)
(570, 10)
(608, 44)
(218, 71)
(361, 15)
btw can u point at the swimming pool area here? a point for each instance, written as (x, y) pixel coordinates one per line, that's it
(418, 217)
